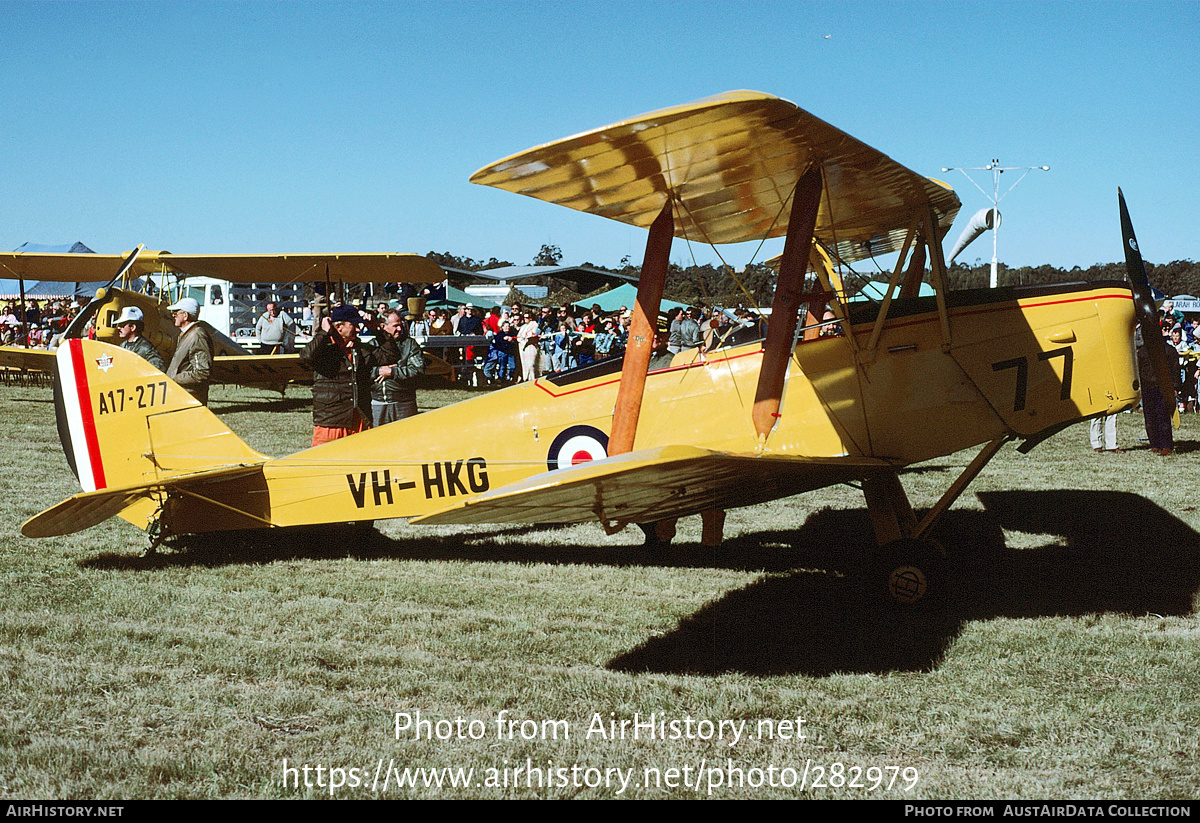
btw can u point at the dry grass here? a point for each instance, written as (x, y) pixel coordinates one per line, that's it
(1067, 669)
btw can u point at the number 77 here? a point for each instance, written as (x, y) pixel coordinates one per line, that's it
(1021, 364)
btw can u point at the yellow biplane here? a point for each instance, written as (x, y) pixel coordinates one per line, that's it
(905, 379)
(231, 362)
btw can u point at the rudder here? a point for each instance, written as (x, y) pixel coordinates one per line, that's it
(123, 423)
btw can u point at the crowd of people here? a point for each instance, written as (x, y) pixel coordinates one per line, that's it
(36, 325)
(1180, 341)
(521, 343)
(1183, 335)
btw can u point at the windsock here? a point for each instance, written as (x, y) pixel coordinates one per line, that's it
(982, 220)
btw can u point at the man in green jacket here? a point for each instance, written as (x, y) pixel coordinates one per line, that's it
(392, 394)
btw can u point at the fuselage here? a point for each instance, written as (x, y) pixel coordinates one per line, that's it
(1008, 361)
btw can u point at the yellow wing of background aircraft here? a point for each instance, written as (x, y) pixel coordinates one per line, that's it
(231, 363)
(906, 379)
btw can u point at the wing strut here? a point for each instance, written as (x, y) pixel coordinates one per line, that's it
(785, 307)
(642, 327)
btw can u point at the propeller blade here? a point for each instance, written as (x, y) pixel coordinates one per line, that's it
(1143, 301)
(79, 324)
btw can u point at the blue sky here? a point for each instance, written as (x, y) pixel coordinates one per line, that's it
(286, 127)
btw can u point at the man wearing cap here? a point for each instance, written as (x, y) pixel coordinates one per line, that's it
(129, 328)
(342, 365)
(191, 365)
(469, 325)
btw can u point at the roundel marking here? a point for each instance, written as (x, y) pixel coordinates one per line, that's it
(575, 445)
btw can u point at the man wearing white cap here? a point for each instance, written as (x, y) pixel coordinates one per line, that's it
(129, 328)
(191, 365)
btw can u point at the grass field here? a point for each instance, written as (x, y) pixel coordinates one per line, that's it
(315, 664)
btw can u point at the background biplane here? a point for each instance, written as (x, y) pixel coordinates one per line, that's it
(231, 362)
(904, 379)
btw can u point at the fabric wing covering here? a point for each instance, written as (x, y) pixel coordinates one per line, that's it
(731, 162)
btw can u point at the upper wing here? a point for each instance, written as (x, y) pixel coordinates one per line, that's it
(654, 484)
(731, 161)
(237, 268)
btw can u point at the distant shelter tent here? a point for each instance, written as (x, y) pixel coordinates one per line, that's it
(623, 295)
(457, 297)
(583, 278)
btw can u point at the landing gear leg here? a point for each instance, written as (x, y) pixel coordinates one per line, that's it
(907, 567)
(712, 527)
(903, 572)
(157, 531)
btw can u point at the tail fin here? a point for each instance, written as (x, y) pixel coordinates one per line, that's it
(124, 424)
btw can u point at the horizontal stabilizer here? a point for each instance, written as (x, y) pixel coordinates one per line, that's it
(87, 509)
(654, 484)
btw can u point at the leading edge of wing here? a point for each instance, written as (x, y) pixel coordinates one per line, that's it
(654, 484)
(379, 267)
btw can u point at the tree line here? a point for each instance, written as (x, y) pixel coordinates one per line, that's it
(713, 285)
(1174, 278)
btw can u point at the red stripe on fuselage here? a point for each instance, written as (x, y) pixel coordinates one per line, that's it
(92, 443)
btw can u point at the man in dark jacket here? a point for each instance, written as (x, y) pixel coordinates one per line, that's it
(191, 365)
(342, 365)
(392, 394)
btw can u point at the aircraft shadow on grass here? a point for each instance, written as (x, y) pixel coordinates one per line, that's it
(1111, 552)
(1108, 552)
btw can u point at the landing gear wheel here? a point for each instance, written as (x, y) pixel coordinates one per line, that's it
(908, 604)
(909, 575)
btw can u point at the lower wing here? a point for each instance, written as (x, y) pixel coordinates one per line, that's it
(655, 484)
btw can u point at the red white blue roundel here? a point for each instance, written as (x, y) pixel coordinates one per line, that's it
(576, 445)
